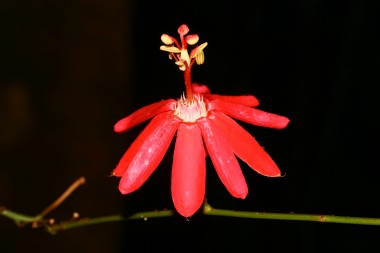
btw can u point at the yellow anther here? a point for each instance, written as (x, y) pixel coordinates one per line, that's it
(170, 49)
(202, 46)
(192, 39)
(200, 57)
(166, 39)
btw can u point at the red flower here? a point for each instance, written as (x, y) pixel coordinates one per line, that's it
(203, 124)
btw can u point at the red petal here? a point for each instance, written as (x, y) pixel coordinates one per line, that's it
(143, 114)
(224, 160)
(189, 170)
(136, 145)
(249, 115)
(246, 100)
(149, 152)
(246, 147)
(200, 88)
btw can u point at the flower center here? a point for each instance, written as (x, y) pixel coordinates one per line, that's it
(190, 111)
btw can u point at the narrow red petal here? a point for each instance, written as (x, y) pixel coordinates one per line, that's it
(224, 160)
(200, 88)
(189, 170)
(136, 145)
(246, 100)
(143, 114)
(150, 152)
(246, 147)
(249, 115)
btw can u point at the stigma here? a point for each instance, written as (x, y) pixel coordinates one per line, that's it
(190, 111)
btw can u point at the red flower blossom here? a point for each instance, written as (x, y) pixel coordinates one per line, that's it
(203, 124)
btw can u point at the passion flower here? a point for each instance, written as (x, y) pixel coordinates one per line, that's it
(203, 125)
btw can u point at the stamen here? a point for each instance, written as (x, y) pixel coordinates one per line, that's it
(181, 56)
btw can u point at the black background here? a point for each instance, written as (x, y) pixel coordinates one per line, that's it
(70, 69)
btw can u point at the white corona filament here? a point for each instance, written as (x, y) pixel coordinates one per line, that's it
(190, 111)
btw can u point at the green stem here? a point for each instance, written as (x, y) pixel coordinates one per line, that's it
(53, 229)
(18, 217)
(208, 210)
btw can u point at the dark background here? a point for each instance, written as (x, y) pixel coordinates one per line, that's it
(70, 69)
